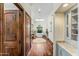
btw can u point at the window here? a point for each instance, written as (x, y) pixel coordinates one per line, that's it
(39, 29)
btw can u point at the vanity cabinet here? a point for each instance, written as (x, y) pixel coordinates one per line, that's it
(61, 51)
(65, 53)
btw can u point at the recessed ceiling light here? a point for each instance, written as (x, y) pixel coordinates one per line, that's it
(39, 19)
(65, 5)
(39, 10)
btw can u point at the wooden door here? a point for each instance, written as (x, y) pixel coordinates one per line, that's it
(11, 41)
(1, 18)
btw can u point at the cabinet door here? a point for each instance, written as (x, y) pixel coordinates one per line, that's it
(11, 42)
(59, 51)
(65, 53)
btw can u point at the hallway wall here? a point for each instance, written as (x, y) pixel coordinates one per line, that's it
(58, 29)
(59, 26)
(50, 27)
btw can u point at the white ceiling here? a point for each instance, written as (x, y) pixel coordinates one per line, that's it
(46, 9)
(62, 9)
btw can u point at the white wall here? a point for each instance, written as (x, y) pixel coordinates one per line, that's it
(50, 27)
(58, 29)
(50, 19)
(59, 26)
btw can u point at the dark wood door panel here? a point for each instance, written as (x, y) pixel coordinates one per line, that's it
(11, 41)
(11, 34)
(10, 51)
(1, 18)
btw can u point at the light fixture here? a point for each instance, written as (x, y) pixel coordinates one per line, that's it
(39, 19)
(39, 9)
(65, 5)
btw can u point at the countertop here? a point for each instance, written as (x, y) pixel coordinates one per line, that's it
(70, 49)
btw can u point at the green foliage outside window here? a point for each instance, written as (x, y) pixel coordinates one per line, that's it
(39, 29)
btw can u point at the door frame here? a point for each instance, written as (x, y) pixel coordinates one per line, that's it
(23, 28)
(18, 5)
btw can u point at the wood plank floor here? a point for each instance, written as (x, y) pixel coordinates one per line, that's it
(41, 47)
